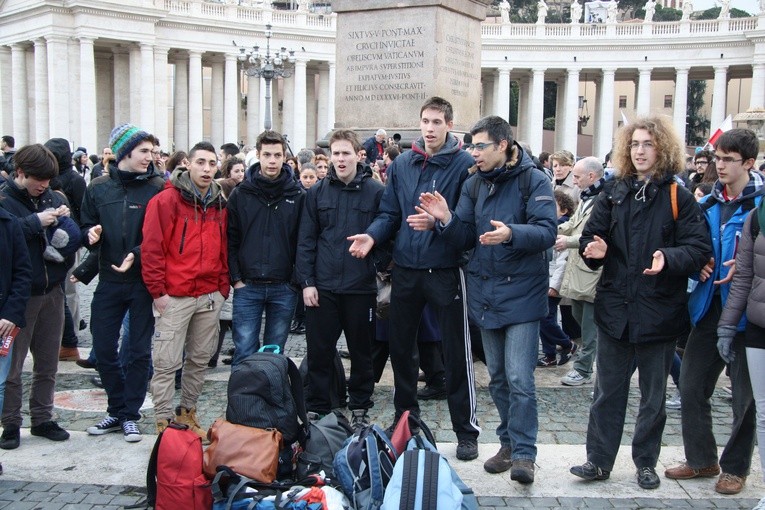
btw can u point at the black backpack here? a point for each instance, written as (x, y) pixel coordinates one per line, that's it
(339, 396)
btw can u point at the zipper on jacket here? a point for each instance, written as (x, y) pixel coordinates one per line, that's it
(183, 236)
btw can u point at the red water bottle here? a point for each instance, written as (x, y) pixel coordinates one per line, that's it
(5, 347)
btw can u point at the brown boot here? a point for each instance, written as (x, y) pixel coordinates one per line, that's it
(686, 472)
(68, 354)
(162, 425)
(730, 484)
(189, 417)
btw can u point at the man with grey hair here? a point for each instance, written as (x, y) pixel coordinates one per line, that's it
(375, 146)
(579, 281)
(303, 157)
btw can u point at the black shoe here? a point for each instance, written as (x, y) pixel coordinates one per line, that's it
(647, 478)
(11, 438)
(50, 430)
(467, 449)
(421, 377)
(96, 381)
(298, 328)
(522, 471)
(589, 471)
(359, 419)
(213, 363)
(567, 354)
(545, 362)
(83, 324)
(230, 351)
(501, 462)
(84, 363)
(227, 361)
(432, 393)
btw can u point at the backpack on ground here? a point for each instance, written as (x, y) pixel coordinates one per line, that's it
(339, 394)
(364, 466)
(423, 480)
(174, 478)
(326, 437)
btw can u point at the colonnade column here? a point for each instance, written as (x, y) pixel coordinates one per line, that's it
(147, 87)
(719, 97)
(570, 128)
(134, 77)
(253, 109)
(19, 97)
(299, 105)
(196, 117)
(181, 105)
(681, 101)
(161, 122)
(502, 96)
(524, 88)
(757, 99)
(6, 104)
(122, 93)
(288, 107)
(322, 126)
(41, 91)
(489, 86)
(231, 101)
(643, 106)
(560, 114)
(606, 113)
(216, 103)
(88, 110)
(58, 89)
(536, 111)
(331, 97)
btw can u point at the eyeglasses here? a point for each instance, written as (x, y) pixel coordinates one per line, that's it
(644, 145)
(480, 147)
(727, 159)
(701, 162)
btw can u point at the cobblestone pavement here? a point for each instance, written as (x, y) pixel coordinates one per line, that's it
(562, 421)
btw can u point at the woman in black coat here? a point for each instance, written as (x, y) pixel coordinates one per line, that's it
(649, 235)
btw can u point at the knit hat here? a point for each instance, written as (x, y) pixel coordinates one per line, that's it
(77, 155)
(124, 138)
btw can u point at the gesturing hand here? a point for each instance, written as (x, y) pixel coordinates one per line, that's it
(435, 205)
(596, 249)
(126, 264)
(706, 271)
(94, 234)
(361, 244)
(422, 221)
(500, 234)
(732, 265)
(657, 265)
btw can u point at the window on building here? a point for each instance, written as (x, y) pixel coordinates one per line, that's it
(622, 101)
(668, 101)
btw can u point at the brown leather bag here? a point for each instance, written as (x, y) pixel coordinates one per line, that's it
(249, 451)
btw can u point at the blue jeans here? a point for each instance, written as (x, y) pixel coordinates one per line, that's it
(278, 300)
(5, 368)
(511, 356)
(550, 332)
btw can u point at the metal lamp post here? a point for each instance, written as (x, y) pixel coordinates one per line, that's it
(268, 66)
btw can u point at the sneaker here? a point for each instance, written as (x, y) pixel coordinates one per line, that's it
(567, 354)
(522, 471)
(501, 462)
(108, 424)
(673, 402)
(686, 472)
(647, 478)
(130, 431)
(359, 419)
(50, 430)
(96, 381)
(11, 438)
(467, 449)
(730, 484)
(83, 325)
(546, 361)
(590, 471)
(298, 328)
(432, 393)
(574, 378)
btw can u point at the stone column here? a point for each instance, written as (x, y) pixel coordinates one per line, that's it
(41, 91)
(524, 93)
(136, 85)
(560, 114)
(161, 120)
(262, 107)
(322, 125)
(331, 98)
(147, 87)
(298, 136)
(88, 110)
(758, 86)
(502, 99)
(288, 112)
(595, 115)
(196, 115)
(19, 97)
(58, 88)
(6, 100)
(181, 105)
(121, 86)
(536, 111)
(572, 107)
(681, 101)
(719, 98)
(643, 106)
(310, 110)
(253, 109)
(231, 101)
(490, 89)
(606, 113)
(216, 103)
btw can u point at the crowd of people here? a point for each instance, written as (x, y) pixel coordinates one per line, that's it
(645, 257)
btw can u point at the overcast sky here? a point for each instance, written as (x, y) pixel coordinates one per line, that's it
(750, 6)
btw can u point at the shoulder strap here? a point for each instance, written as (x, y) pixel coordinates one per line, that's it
(296, 385)
(430, 481)
(673, 199)
(151, 473)
(525, 185)
(473, 191)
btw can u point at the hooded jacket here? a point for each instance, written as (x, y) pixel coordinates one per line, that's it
(184, 251)
(412, 173)
(725, 240)
(263, 223)
(332, 212)
(635, 219)
(68, 180)
(16, 274)
(117, 202)
(506, 283)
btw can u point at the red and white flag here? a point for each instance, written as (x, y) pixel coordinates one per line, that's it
(727, 125)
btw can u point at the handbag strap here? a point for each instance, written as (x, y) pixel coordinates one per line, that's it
(296, 385)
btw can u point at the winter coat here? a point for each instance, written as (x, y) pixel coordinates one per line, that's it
(412, 173)
(68, 180)
(117, 202)
(16, 274)
(568, 187)
(506, 283)
(557, 265)
(332, 212)
(579, 281)
(724, 243)
(263, 223)
(184, 251)
(648, 308)
(370, 145)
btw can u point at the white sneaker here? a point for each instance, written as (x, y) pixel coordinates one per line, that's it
(108, 424)
(574, 378)
(131, 432)
(674, 401)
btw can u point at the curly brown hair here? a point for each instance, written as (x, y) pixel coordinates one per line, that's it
(670, 156)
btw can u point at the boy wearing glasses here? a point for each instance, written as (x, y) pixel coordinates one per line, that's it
(735, 193)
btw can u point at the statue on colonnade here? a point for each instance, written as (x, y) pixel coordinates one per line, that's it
(576, 12)
(541, 12)
(650, 9)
